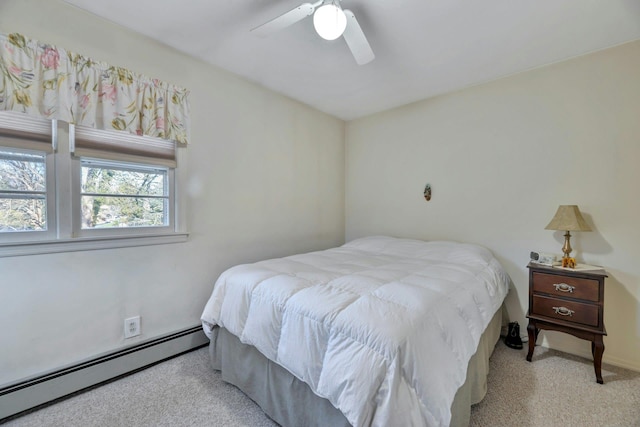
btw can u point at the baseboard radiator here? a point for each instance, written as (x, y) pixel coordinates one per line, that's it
(23, 396)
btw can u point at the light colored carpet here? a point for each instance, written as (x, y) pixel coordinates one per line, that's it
(183, 391)
(557, 389)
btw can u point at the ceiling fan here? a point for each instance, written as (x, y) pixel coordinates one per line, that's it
(330, 22)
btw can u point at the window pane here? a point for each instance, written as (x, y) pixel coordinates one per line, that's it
(22, 214)
(114, 195)
(110, 212)
(22, 172)
(23, 205)
(112, 180)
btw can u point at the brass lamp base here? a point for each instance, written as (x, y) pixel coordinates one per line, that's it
(566, 248)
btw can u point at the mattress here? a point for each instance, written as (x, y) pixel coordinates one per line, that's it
(382, 328)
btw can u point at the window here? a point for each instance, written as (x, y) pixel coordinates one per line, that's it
(23, 191)
(98, 189)
(27, 178)
(117, 195)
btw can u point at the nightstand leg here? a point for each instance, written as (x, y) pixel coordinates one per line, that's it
(598, 350)
(532, 331)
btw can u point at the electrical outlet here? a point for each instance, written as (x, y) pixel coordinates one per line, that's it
(132, 327)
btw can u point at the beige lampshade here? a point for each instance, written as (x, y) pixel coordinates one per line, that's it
(568, 218)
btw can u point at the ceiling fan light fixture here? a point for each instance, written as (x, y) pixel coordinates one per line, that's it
(329, 21)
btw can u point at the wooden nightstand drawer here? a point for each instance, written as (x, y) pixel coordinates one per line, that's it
(573, 287)
(568, 311)
(569, 301)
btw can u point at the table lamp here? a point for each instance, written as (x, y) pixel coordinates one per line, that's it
(568, 218)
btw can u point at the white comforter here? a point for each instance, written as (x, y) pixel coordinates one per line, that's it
(383, 328)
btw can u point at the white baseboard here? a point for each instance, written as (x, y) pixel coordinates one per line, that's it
(31, 393)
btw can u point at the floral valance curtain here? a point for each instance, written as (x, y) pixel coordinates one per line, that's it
(46, 81)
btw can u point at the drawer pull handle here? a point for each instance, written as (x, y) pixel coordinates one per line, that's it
(563, 311)
(563, 287)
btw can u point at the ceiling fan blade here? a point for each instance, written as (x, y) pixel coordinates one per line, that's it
(356, 40)
(283, 21)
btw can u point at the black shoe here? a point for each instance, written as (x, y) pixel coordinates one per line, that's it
(513, 339)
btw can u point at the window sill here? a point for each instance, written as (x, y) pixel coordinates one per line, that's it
(88, 244)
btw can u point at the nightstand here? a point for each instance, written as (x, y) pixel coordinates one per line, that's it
(570, 301)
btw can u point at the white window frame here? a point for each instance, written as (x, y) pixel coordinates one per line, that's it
(64, 233)
(78, 231)
(50, 200)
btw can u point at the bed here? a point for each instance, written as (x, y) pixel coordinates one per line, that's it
(380, 331)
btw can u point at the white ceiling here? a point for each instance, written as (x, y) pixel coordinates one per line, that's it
(423, 47)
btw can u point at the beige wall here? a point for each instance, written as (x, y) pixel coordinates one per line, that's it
(258, 187)
(500, 158)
